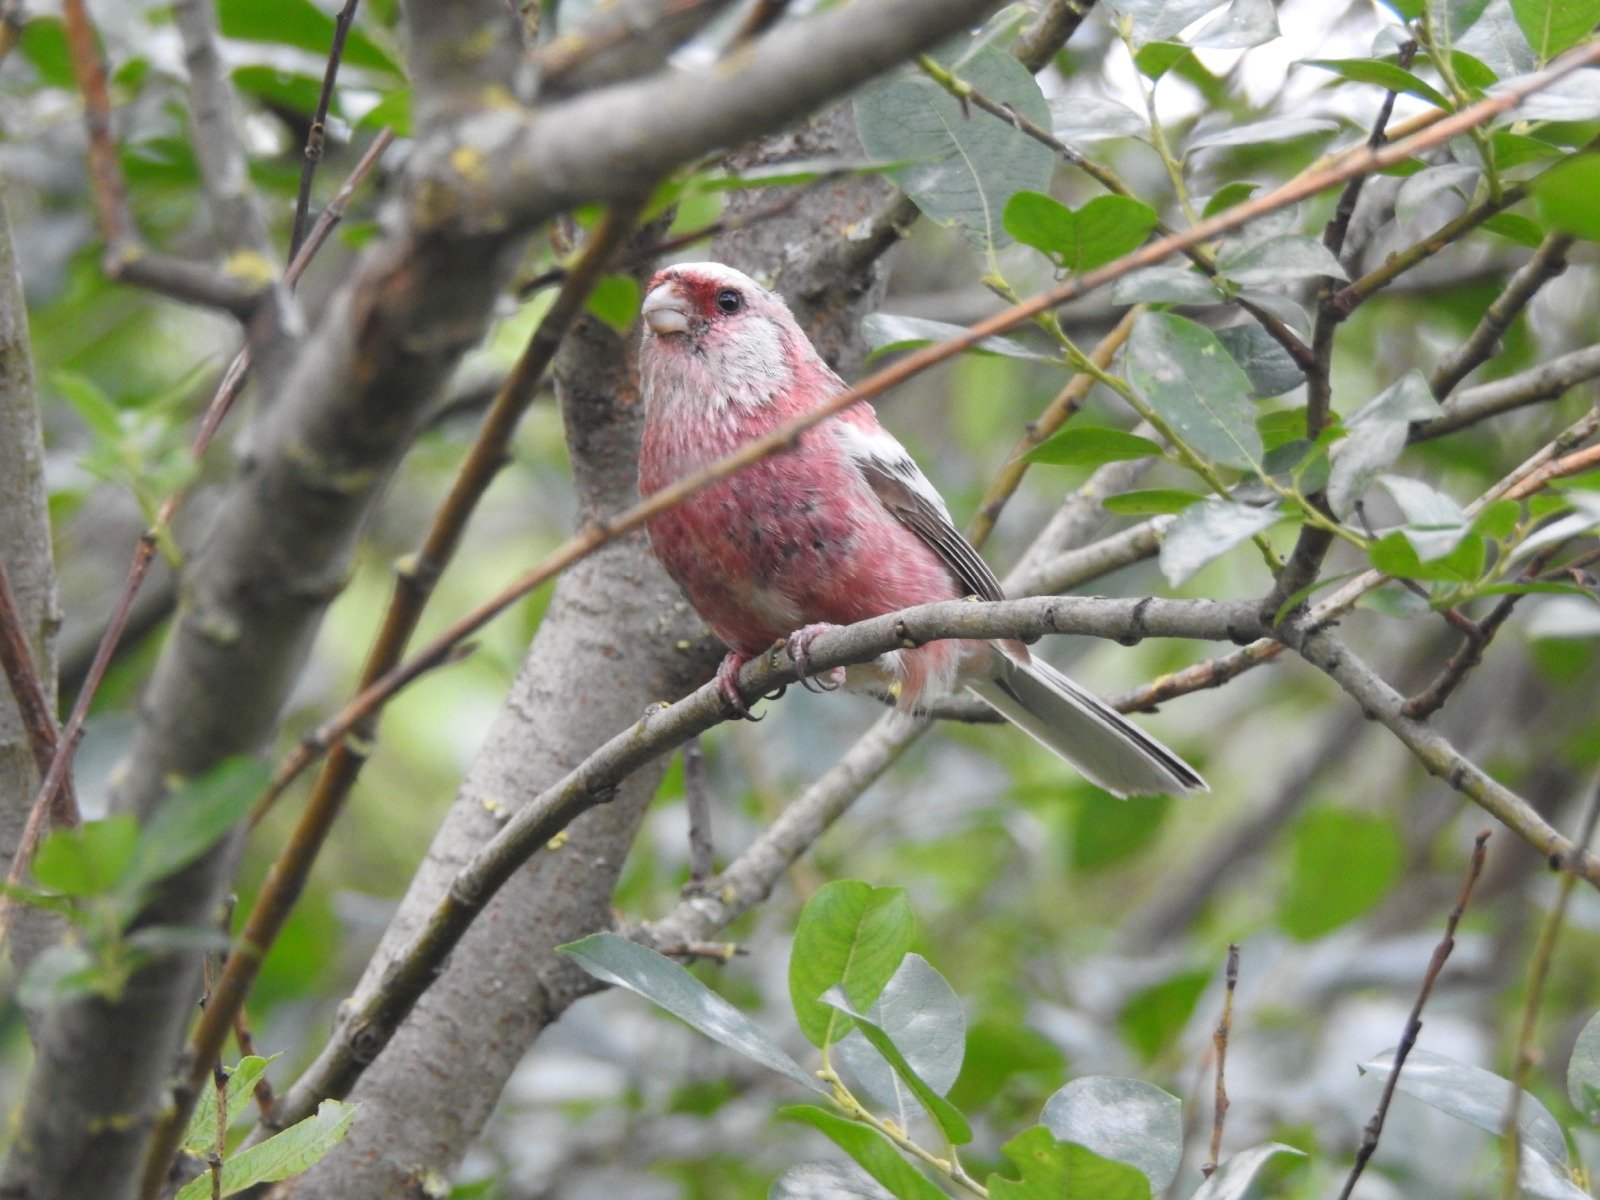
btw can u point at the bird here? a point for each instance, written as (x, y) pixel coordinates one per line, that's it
(838, 528)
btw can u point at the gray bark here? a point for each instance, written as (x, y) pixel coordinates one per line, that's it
(25, 547)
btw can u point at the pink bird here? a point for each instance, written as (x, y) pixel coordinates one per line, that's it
(841, 528)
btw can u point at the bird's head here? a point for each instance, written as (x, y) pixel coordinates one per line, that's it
(713, 334)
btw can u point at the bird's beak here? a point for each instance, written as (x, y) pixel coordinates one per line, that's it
(666, 311)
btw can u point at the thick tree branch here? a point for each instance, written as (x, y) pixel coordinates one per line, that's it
(618, 42)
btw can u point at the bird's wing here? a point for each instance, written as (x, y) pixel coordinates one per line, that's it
(904, 490)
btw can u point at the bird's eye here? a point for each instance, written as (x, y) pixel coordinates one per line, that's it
(729, 300)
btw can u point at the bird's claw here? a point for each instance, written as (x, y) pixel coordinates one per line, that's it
(728, 685)
(799, 647)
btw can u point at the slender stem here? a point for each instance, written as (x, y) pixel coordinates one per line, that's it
(1538, 974)
(1408, 1039)
(314, 138)
(1219, 1045)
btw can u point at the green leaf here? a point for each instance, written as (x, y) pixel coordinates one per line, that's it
(922, 1015)
(1091, 446)
(966, 163)
(1156, 1015)
(201, 1136)
(1269, 367)
(886, 333)
(1235, 1176)
(1341, 864)
(1160, 20)
(301, 24)
(876, 1154)
(1583, 1072)
(1208, 530)
(1151, 502)
(1283, 258)
(1565, 196)
(1243, 24)
(97, 410)
(850, 934)
(1276, 130)
(296, 1149)
(1050, 1169)
(392, 112)
(1193, 383)
(1157, 58)
(1552, 26)
(616, 960)
(194, 818)
(1104, 229)
(1394, 554)
(1104, 834)
(89, 860)
(1165, 285)
(1385, 75)
(615, 300)
(43, 43)
(1228, 196)
(949, 1119)
(1378, 435)
(1123, 1120)
(1078, 119)
(1516, 228)
(1471, 1094)
(1435, 524)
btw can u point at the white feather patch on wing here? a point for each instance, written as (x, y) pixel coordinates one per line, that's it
(902, 488)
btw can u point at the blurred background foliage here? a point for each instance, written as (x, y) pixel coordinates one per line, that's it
(1084, 936)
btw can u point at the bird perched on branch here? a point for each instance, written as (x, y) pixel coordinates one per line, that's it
(840, 528)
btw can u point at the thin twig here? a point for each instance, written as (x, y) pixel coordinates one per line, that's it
(1408, 1039)
(1548, 261)
(314, 138)
(1219, 1046)
(1538, 972)
(697, 800)
(266, 1102)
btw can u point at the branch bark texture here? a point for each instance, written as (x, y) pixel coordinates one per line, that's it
(25, 549)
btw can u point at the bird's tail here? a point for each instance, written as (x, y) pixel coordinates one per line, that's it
(1095, 738)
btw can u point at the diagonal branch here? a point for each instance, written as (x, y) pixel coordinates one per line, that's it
(1383, 704)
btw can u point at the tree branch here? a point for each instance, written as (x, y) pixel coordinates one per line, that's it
(1547, 262)
(30, 587)
(1382, 703)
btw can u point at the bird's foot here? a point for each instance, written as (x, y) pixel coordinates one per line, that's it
(728, 685)
(799, 647)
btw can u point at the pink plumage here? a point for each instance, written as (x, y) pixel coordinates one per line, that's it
(842, 528)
